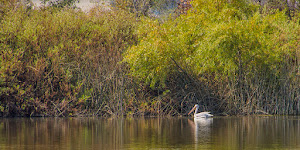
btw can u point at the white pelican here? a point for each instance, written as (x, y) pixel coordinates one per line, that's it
(201, 114)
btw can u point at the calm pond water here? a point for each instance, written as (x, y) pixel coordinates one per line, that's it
(150, 133)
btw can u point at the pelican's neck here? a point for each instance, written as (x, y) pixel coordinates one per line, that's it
(196, 110)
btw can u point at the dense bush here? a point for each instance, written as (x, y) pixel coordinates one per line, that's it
(247, 60)
(54, 60)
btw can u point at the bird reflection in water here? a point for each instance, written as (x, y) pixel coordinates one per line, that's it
(202, 129)
(202, 132)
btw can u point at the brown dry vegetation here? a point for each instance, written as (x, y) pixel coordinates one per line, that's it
(59, 62)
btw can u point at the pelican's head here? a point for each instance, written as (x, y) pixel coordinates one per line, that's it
(196, 106)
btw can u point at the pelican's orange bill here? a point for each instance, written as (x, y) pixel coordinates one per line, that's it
(192, 110)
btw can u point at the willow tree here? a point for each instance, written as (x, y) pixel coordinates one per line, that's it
(241, 50)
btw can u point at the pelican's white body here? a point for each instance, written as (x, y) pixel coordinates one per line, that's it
(201, 114)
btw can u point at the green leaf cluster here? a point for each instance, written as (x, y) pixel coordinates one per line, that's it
(215, 37)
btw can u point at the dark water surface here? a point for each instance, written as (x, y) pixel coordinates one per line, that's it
(150, 133)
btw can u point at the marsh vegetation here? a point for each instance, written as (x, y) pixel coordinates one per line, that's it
(235, 57)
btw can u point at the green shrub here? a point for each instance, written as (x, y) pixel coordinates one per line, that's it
(51, 58)
(229, 46)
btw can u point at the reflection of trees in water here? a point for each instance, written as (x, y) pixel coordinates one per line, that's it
(61, 133)
(94, 133)
(254, 132)
(156, 132)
